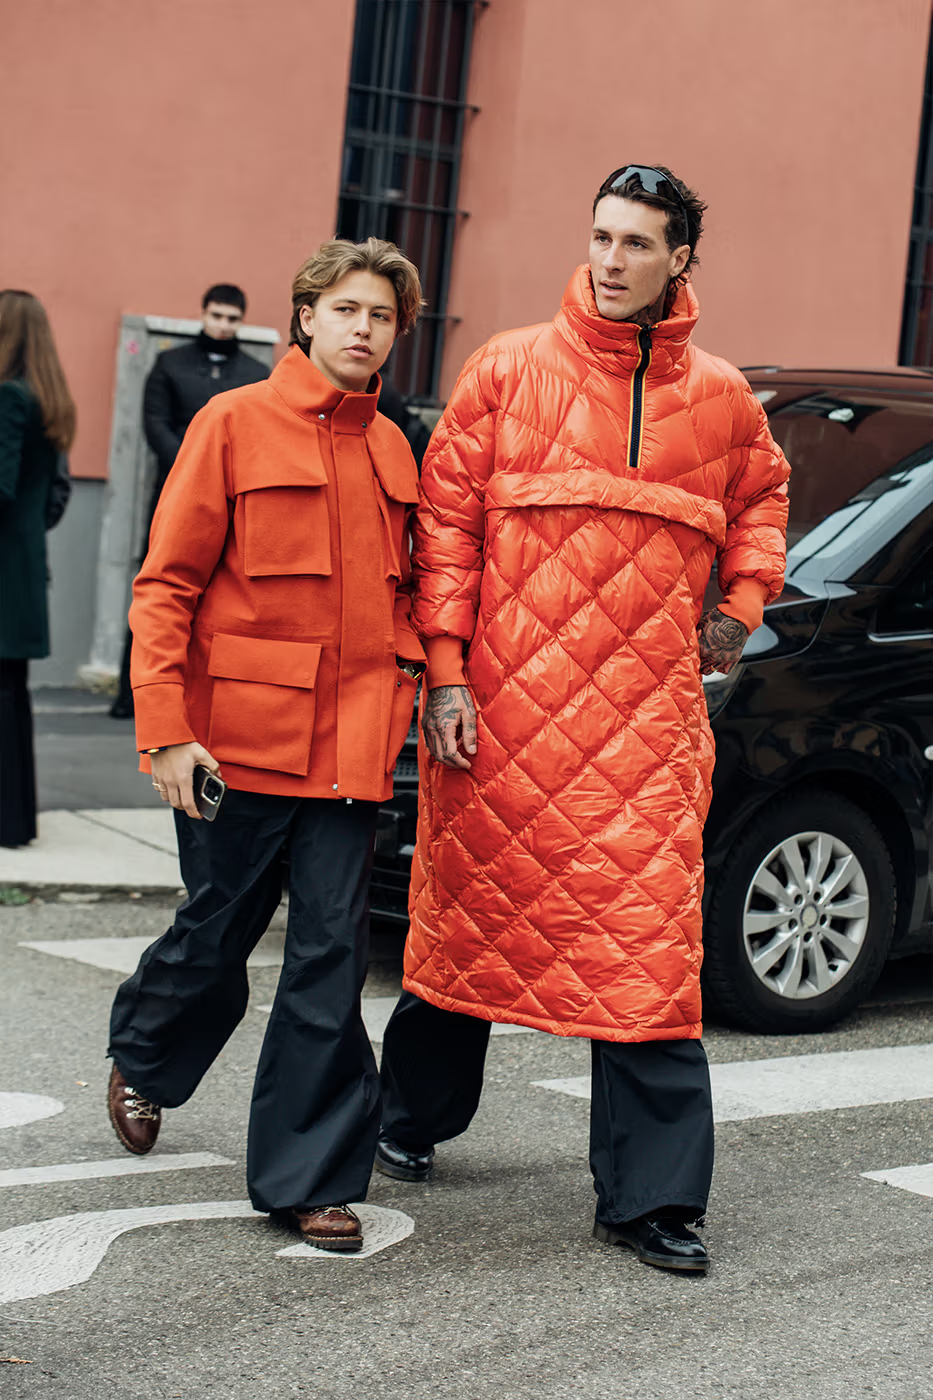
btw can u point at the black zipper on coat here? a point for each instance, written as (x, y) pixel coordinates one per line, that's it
(638, 399)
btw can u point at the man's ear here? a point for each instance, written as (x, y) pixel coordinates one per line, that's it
(306, 320)
(679, 259)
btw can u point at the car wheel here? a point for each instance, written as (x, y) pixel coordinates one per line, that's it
(801, 917)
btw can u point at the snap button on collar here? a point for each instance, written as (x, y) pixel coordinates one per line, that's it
(322, 416)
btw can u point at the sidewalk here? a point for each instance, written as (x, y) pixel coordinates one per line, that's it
(120, 849)
(101, 826)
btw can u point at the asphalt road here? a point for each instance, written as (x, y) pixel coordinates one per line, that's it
(819, 1289)
(85, 759)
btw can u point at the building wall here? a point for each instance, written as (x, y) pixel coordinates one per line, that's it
(157, 149)
(73, 562)
(797, 122)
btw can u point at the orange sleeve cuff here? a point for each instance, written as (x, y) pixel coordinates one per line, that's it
(160, 716)
(746, 602)
(445, 661)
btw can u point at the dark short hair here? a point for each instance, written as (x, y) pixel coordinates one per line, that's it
(676, 233)
(225, 294)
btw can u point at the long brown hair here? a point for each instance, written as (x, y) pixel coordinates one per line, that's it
(27, 351)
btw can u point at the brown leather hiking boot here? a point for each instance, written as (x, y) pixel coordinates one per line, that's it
(330, 1227)
(135, 1120)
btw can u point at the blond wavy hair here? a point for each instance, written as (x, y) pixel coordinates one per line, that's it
(333, 260)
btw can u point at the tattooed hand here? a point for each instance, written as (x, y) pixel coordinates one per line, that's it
(449, 716)
(721, 641)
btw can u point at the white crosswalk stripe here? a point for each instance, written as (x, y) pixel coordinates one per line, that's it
(113, 1166)
(917, 1179)
(123, 954)
(377, 1010)
(805, 1083)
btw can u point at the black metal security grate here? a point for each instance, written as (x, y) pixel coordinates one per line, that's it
(917, 328)
(401, 161)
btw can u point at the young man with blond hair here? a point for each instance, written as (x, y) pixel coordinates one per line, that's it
(272, 646)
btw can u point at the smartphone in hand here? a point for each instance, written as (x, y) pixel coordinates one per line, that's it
(208, 792)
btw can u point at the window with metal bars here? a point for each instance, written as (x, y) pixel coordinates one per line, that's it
(406, 110)
(917, 326)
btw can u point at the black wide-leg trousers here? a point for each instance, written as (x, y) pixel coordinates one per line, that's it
(651, 1114)
(315, 1110)
(17, 756)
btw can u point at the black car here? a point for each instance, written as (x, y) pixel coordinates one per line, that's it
(818, 842)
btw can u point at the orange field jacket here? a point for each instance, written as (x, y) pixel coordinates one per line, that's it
(275, 596)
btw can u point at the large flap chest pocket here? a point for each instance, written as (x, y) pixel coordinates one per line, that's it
(262, 708)
(286, 531)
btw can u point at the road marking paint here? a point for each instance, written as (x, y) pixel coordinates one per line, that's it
(17, 1109)
(377, 1010)
(382, 1227)
(578, 1087)
(48, 1256)
(121, 954)
(114, 1166)
(918, 1179)
(805, 1083)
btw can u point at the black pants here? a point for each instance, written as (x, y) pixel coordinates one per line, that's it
(17, 758)
(315, 1109)
(651, 1116)
(123, 701)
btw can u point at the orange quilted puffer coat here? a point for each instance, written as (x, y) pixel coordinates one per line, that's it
(582, 481)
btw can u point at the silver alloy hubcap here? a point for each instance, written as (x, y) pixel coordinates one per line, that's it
(806, 915)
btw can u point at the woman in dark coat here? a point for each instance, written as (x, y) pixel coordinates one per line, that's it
(37, 422)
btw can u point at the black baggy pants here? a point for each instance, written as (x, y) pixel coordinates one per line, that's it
(315, 1109)
(17, 755)
(651, 1115)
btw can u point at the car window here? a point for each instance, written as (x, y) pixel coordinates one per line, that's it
(910, 607)
(841, 445)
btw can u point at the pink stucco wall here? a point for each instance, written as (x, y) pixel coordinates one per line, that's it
(797, 122)
(149, 150)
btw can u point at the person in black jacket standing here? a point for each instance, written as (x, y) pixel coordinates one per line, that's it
(37, 425)
(179, 385)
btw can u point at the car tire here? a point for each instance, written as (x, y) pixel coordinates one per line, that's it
(783, 954)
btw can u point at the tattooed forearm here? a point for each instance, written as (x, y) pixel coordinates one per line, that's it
(722, 639)
(450, 723)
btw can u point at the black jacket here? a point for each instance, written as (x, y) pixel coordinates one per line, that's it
(179, 385)
(27, 467)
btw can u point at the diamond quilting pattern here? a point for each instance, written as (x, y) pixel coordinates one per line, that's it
(558, 883)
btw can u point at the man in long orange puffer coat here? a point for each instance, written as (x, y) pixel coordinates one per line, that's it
(585, 477)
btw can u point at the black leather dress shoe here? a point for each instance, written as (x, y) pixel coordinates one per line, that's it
(659, 1239)
(401, 1164)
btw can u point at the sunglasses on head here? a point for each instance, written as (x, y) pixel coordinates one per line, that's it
(651, 181)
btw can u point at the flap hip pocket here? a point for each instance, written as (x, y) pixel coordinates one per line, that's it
(263, 701)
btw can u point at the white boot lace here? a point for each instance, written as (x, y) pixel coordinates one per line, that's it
(138, 1107)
